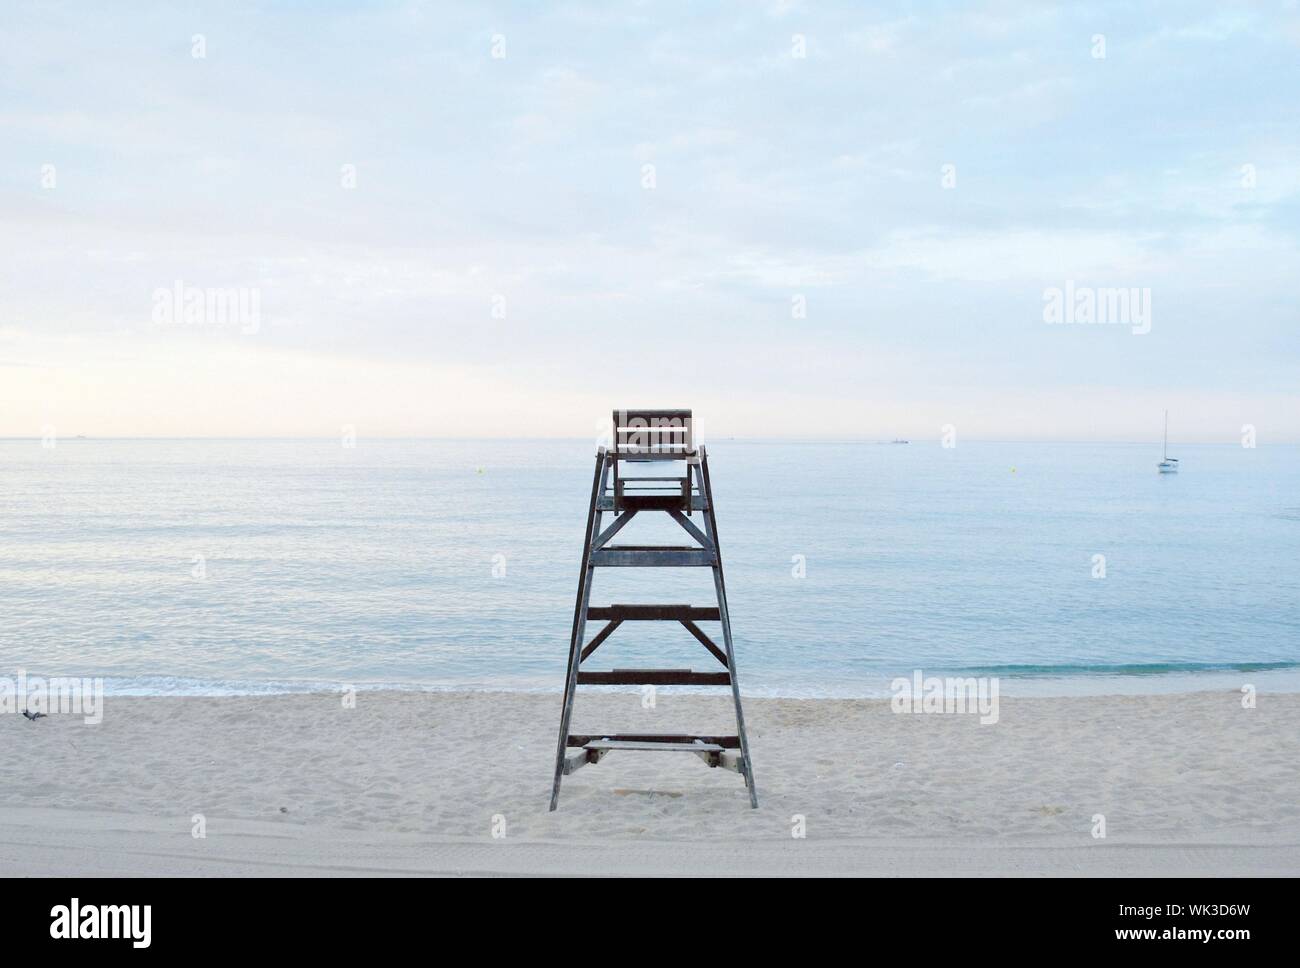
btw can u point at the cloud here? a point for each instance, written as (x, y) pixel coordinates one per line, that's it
(520, 180)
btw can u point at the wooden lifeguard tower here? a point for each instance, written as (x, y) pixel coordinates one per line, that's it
(663, 439)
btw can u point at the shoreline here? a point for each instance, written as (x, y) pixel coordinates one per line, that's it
(416, 783)
(1270, 678)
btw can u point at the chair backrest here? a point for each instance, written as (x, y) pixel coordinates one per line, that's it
(654, 434)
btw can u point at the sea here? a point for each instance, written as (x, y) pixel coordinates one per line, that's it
(258, 566)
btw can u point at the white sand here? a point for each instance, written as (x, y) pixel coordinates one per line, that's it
(409, 783)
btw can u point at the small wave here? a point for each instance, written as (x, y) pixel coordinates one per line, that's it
(1123, 669)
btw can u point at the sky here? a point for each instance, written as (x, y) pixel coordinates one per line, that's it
(822, 220)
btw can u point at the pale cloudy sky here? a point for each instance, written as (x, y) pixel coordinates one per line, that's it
(127, 164)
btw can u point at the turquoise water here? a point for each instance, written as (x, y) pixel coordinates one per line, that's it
(375, 565)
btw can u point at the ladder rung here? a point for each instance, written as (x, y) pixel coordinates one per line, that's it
(651, 556)
(654, 613)
(614, 744)
(726, 742)
(662, 452)
(653, 677)
(606, 503)
(643, 501)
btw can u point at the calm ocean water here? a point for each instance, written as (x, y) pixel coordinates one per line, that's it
(257, 565)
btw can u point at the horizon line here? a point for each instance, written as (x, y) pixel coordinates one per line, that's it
(742, 439)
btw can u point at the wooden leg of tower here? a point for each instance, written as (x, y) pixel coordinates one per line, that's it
(745, 762)
(570, 689)
(579, 626)
(720, 586)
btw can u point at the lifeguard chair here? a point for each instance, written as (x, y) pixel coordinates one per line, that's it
(663, 439)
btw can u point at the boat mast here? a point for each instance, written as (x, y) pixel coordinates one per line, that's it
(1164, 451)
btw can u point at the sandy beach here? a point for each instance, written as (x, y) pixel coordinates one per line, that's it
(418, 783)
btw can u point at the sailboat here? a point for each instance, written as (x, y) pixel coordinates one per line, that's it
(1167, 465)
